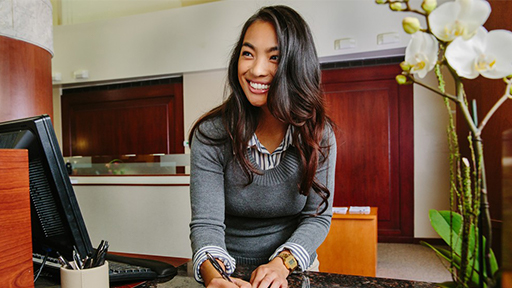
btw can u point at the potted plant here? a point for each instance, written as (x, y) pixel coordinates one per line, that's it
(454, 42)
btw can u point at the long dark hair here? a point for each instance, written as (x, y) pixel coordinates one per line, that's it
(295, 97)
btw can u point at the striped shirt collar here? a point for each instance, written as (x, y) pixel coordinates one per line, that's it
(263, 157)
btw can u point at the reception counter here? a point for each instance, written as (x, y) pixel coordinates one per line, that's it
(147, 215)
(301, 280)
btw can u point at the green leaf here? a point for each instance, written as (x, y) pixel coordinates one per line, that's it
(445, 226)
(447, 255)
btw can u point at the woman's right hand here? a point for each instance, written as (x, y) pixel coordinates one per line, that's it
(219, 282)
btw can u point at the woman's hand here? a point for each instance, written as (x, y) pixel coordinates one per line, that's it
(271, 275)
(219, 282)
(213, 279)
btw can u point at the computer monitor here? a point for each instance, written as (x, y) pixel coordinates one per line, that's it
(57, 223)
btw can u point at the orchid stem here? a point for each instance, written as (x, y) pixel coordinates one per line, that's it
(495, 107)
(446, 95)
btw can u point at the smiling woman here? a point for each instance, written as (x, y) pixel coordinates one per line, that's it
(263, 161)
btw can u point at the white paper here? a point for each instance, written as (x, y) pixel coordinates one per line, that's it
(359, 209)
(339, 210)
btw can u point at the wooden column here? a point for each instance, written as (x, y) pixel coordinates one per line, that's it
(25, 80)
(15, 225)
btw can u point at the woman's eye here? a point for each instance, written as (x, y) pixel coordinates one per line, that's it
(274, 57)
(246, 54)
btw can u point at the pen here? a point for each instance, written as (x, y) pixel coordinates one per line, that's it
(64, 262)
(217, 267)
(102, 254)
(95, 254)
(77, 260)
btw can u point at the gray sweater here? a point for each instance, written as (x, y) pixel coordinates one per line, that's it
(251, 221)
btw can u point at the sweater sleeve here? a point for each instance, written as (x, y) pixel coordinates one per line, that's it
(312, 230)
(207, 194)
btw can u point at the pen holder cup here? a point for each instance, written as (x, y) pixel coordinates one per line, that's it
(96, 277)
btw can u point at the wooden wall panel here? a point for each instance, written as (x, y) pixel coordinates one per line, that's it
(15, 226)
(25, 80)
(375, 145)
(137, 120)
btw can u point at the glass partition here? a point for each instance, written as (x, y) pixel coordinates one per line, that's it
(131, 164)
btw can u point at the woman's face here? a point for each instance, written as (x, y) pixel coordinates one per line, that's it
(258, 61)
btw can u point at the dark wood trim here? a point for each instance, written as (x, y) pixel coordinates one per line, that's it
(175, 261)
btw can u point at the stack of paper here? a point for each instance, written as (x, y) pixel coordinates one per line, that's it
(339, 210)
(359, 209)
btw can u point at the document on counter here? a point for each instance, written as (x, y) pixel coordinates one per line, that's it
(339, 210)
(351, 210)
(359, 209)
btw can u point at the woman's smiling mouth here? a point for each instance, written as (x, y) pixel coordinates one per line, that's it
(258, 87)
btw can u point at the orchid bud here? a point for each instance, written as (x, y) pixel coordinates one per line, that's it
(429, 5)
(380, 1)
(405, 66)
(401, 79)
(411, 25)
(397, 6)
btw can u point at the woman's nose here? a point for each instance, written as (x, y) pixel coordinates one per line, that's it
(260, 67)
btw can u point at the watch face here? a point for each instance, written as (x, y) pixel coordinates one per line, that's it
(290, 262)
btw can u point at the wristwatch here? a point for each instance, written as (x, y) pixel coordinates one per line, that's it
(289, 261)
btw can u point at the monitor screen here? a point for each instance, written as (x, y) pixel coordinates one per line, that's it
(57, 223)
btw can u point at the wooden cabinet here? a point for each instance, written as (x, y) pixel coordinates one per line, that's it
(15, 226)
(351, 245)
(136, 118)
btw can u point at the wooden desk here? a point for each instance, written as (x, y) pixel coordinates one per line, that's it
(15, 226)
(351, 245)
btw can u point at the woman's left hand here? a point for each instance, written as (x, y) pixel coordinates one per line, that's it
(270, 275)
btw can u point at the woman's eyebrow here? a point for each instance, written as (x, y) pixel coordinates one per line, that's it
(271, 49)
(247, 44)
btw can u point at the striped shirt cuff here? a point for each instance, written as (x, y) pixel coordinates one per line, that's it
(218, 253)
(300, 254)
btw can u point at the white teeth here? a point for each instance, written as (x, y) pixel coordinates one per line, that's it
(259, 86)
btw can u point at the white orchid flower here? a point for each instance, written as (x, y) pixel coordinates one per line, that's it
(459, 18)
(421, 53)
(487, 53)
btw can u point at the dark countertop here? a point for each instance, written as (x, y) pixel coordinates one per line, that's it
(318, 279)
(185, 279)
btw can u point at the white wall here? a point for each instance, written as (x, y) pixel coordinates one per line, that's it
(199, 38)
(431, 165)
(195, 42)
(203, 91)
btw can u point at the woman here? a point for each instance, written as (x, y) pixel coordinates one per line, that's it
(262, 163)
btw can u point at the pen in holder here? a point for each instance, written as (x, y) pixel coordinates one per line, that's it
(90, 271)
(96, 277)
